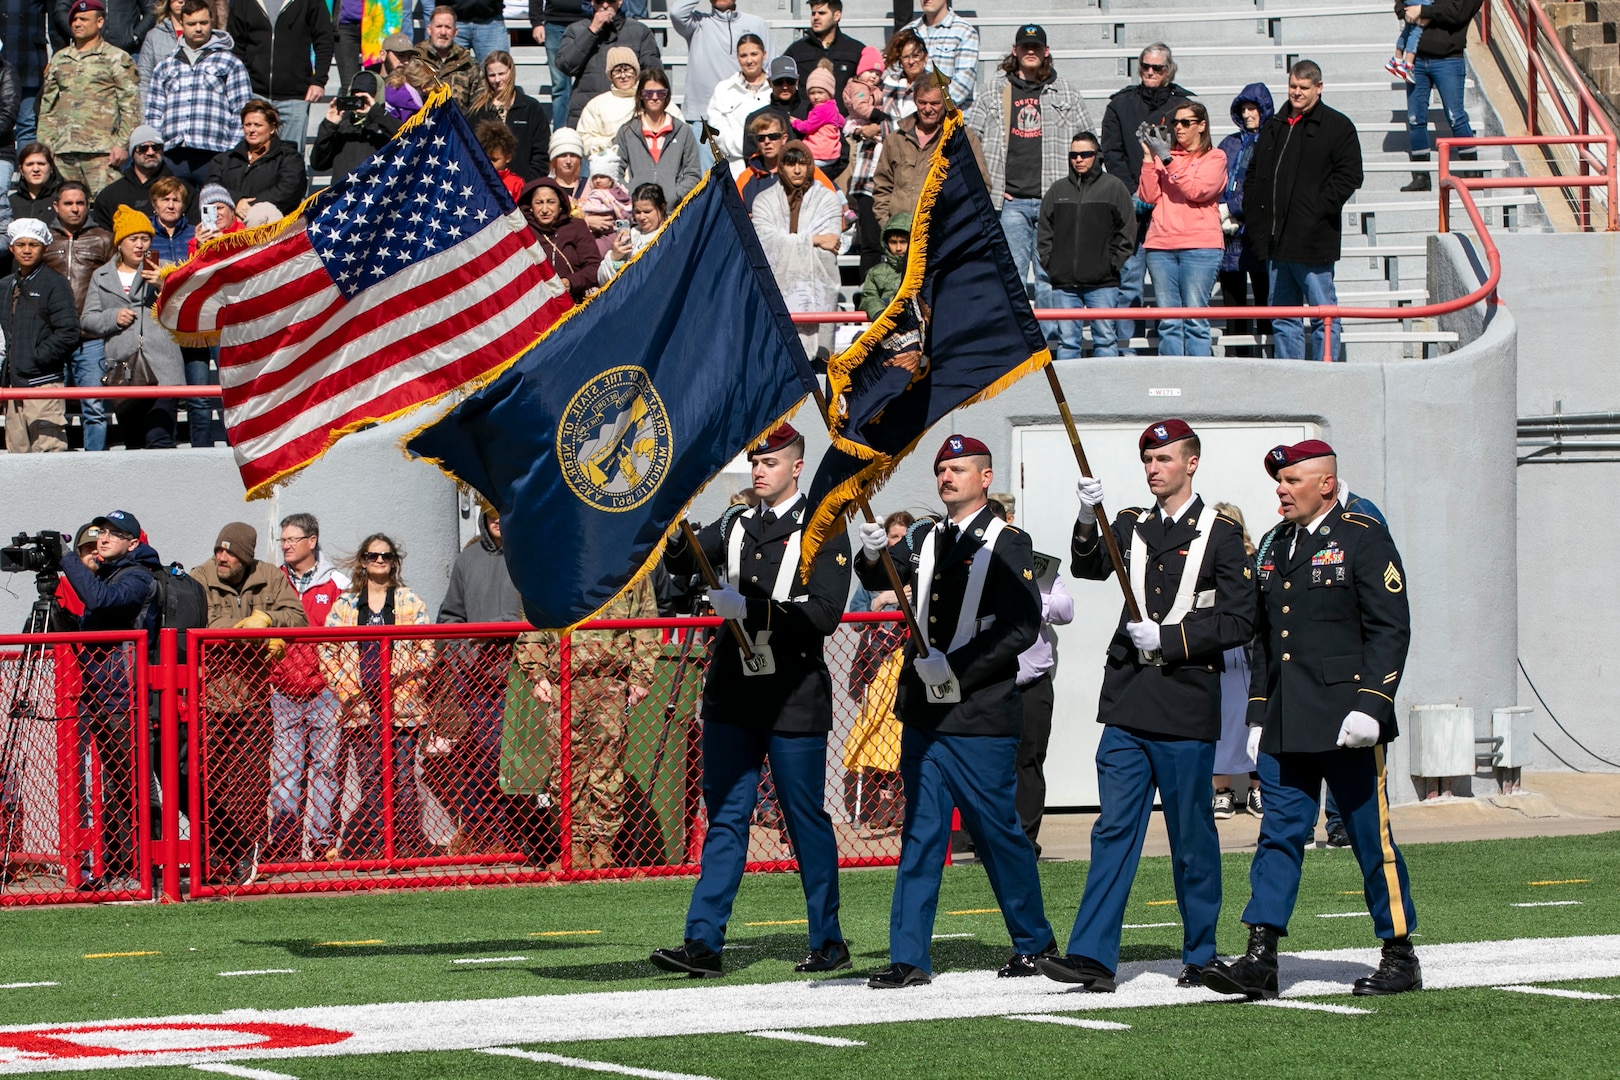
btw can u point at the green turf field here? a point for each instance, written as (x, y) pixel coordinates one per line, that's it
(151, 961)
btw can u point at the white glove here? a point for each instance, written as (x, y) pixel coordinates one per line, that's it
(874, 538)
(1254, 742)
(1144, 635)
(934, 669)
(1358, 730)
(1089, 491)
(727, 602)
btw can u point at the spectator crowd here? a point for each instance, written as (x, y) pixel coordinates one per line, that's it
(200, 118)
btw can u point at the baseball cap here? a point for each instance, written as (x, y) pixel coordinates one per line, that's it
(119, 521)
(783, 67)
(1030, 34)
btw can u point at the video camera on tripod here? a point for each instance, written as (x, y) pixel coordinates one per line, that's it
(40, 553)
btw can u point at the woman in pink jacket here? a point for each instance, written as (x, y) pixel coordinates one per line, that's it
(1184, 240)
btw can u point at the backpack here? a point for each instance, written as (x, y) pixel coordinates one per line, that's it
(181, 603)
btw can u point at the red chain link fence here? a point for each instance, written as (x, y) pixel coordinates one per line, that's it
(75, 768)
(407, 756)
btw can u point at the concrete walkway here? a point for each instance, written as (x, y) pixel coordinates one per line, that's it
(1553, 804)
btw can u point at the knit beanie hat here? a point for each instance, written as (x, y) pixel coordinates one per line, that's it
(240, 539)
(128, 222)
(823, 79)
(620, 54)
(215, 195)
(143, 134)
(871, 60)
(566, 140)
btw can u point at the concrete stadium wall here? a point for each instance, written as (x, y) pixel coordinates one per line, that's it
(182, 497)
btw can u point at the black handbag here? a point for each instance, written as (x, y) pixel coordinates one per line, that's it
(134, 369)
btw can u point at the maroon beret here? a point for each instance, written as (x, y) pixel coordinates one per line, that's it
(1163, 433)
(1280, 457)
(960, 446)
(776, 440)
(87, 5)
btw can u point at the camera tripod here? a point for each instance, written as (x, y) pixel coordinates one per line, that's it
(41, 619)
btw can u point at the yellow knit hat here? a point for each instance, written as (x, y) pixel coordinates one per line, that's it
(128, 222)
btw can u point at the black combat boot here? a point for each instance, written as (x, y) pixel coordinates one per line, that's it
(1420, 180)
(1254, 974)
(1398, 971)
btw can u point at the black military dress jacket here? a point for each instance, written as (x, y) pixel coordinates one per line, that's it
(1333, 632)
(797, 697)
(986, 666)
(1181, 698)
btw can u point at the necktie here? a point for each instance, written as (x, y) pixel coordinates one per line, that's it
(767, 519)
(947, 537)
(1169, 523)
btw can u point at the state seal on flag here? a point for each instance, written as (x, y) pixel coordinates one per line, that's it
(614, 440)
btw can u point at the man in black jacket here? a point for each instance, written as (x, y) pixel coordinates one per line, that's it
(134, 188)
(1154, 100)
(584, 48)
(278, 57)
(41, 326)
(974, 586)
(824, 40)
(1440, 65)
(549, 21)
(781, 710)
(1086, 231)
(1305, 167)
(1330, 645)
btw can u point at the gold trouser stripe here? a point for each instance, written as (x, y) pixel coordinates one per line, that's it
(1386, 840)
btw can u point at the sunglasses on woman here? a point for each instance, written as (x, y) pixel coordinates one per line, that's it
(379, 556)
(654, 95)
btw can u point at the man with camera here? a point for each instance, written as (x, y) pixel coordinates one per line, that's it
(118, 594)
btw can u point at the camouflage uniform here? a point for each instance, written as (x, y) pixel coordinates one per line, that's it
(455, 69)
(90, 102)
(605, 664)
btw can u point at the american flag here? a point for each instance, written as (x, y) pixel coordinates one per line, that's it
(408, 278)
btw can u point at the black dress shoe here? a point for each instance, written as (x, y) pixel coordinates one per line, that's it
(693, 958)
(897, 977)
(1254, 974)
(833, 956)
(1191, 975)
(1078, 970)
(1398, 971)
(1023, 964)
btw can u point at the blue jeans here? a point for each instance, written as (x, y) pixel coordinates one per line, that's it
(1019, 218)
(561, 85)
(1184, 278)
(1102, 330)
(305, 734)
(294, 114)
(199, 411)
(1130, 295)
(27, 126)
(483, 38)
(86, 368)
(1447, 76)
(1292, 285)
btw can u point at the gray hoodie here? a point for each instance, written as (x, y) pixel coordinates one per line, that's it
(481, 590)
(711, 49)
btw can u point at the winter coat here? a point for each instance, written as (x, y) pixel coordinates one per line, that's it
(1127, 109)
(822, 130)
(1184, 194)
(600, 121)
(77, 255)
(41, 327)
(568, 244)
(342, 146)
(10, 102)
(105, 298)
(161, 40)
(1299, 179)
(277, 177)
(455, 69)
(883, 281)
(1239, 148)
(677, 170)
(1447, 32)
(408, 674)
(844, 54)
(711, 48)
(299, 673)
(279, 59)
(903, 166)
(733, 102)
(582, 56)
(118, 595)
(173, 248)
(1063, 115)
(238, 672)
(129, 190)
(530, 123)
(1086, 230)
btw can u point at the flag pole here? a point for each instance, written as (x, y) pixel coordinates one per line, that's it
(713, 582)
(1102, 517)
(893, 571)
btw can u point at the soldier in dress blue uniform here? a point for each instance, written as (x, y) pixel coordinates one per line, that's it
(783, 712)
(1331, 642)
(1161, 702)
(977, 601)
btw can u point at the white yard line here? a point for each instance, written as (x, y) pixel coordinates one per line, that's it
(1347, 915)
(592, 1066)
(804, 1037)
(490, 960)
(25, 986)
(943, 937)
(1069, 1021)
(1549, 903)
(260, 971)
(1552, 991)
(724, 1007)
(1315, 1006)
(1147, 925)
(239, 1070)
